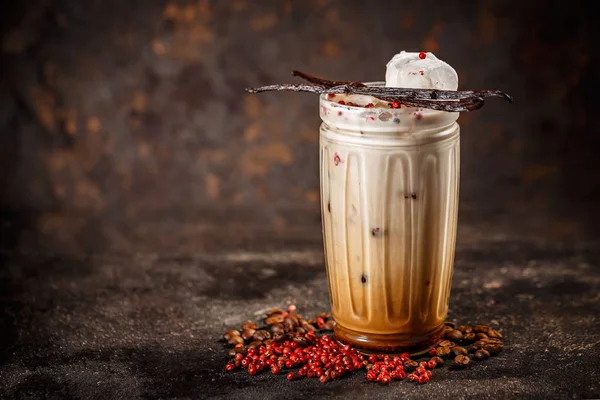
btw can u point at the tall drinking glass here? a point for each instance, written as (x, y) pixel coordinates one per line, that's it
(389, 197)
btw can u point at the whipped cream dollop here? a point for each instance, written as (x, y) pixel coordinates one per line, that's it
(412, 70)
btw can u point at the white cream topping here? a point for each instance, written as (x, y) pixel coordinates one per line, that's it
(408, 70)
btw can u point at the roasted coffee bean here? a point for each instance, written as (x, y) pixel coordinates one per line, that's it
(255, 344)
(481, 355)
(491, 340)
(478, 344)
(493, 349)
(446, 343)
(248, 333)
(268, 342)
(439, 361)
(300, 330)
(231, 353)
(274, 319)
(249, 325)
(241, 350)
(274, 311)
(324, 315)
(301, 341)
(288, 325)
(443, 351)
(468, 337)
(473, 349)
(236, 340)
(294, 319)
(279, 336)
(450, 324)
(481, 328)
(261, 335)
(465, 329)
(461, 361)
(231, 333)
(329, 325)
(307, 326)
(454, 335)
(494, 334)
(448, 329)
(410, 365)
(459, 350)
(276, 328)
(481, 335)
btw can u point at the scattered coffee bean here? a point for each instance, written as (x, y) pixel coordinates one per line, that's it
(288, 325)
(279, 336)
(231, 333)
(493, 349)
(231, 353)
(236, 340)
(481, 355)
(274, 311)
(294, 320)
(454, 335)
(329, 325)
(275, 319)
(446, 343)
(324, 315)
(255, 344)
(410, 365)
(491, 340)
(478, 344)
(494, 334)
(468, 337)
(249, 325)
(481, 328)
(307, 326)
(261, 335)
(458, 350)
(301, 341)
(248, 333)
(461, 361)
(300, 330)
(448, 329)
(465, 329)
(481, 335)
(450, 324)
(276, 328)
(473, 349)
(443, 351)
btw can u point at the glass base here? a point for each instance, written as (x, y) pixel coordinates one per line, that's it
(396, 343)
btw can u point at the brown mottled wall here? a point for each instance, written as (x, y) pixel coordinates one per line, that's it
(117, 115)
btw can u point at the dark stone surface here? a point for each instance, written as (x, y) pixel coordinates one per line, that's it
(148, 324)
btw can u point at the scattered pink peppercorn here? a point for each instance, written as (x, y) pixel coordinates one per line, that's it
(422, 55)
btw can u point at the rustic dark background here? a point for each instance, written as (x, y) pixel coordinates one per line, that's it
(120, 120)
(147, 203)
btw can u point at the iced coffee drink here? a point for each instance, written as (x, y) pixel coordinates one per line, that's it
(389, 158)
(389, 195)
